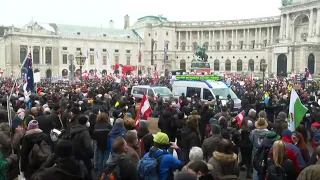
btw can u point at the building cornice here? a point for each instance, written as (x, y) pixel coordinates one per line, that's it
(300, 7)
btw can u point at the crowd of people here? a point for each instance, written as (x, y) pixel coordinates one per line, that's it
(90, 132)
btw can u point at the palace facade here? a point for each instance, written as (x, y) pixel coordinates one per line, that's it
(288, 43)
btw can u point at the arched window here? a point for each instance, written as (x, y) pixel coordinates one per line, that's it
(183, 64)
(36, 56)
(239, 65)
(206, 45)
(64, 72)
(311, 63)
(49, 73)
(23, 54)
(262, 61)
(228, 65)
(183, 46)
(216, 65)
(48, 56)
(194, 45)
(251, 65)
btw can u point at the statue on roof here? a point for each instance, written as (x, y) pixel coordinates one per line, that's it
(201, 53)
(286, 2)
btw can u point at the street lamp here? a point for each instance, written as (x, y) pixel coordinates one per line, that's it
(263, 67)
(81, 59)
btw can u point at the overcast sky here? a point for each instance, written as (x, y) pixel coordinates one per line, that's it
(99, 12)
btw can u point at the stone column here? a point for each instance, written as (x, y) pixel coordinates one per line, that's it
(244, 39)
(179, 39)
(248, 39)
(198, 38)
(187, 40)
(40, 57)
(236, 45)
(318, 22)
(268, 35)
(232, 40)
(310, 23)
(256, 39)
(213, 43)
(281, 26)
(190, 40)
(221, 39)
(288, 26)
(260, 38)
(289, 61)
(209, 42)
(271, 39)
(225, 39)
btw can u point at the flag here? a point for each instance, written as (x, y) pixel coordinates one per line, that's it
(139, 51)
(28, 67)
(240, 117)
(154, 81)
(308, 74)
(166, 43)
(296, 111)
(145, 110)
(108, 63)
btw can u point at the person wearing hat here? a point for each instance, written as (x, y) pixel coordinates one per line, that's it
(33, 136)
(168, 163)
(62, 165)
(312, 172)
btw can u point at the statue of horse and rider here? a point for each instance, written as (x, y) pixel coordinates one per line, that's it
(201, 53)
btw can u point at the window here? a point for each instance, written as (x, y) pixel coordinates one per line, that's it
(206, 45)
(192, 91)
(218, 45)
(251, 65)
(216, 65)
(253, 43)
(91, 59)
(128, 51)
(48, 56)
(150, 93)
(128, 60)
(36, 56)
(183, 46)
(64, 48)
(228, 65)
(239, 65)
(229, 45)
(241, 44)
(116, 50)
(104, 50)
(194, 45)
(104, 60)
(78, 49)
(91, 49)
(64, 59)
(128, 37)
(167, 34)
(149, 34)
(207, 94)
(116, 59)
(23, 54)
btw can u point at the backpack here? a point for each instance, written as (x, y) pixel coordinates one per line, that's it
(276, 173)
(260, 160)
(39, 153)
(143, 150)
(316, 136)
(257, 140)
(111, 172)
(148, 167)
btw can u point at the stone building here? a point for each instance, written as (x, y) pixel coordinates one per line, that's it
(288, 43)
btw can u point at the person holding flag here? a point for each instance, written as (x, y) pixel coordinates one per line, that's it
(145, 110)
(296, 111)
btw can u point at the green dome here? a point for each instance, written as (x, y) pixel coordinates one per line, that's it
(152, 19)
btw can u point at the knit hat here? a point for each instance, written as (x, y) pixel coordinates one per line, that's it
(215, 129)
(33, 124)
(286, 133)
(161, 138)
(64, 149)
(16, 121)
(261, 123)
(272, 135)
(144, 124)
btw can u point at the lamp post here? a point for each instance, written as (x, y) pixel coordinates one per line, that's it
(263, 68)
(81, 59)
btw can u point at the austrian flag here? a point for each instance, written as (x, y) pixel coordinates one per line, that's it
(240, 117)
(145, 110)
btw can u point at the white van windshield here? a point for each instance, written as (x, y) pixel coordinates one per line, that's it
(163, 91)
(223, 93)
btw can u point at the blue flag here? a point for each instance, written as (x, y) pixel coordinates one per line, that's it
(30, 80)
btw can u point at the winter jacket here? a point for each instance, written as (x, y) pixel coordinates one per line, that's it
(168, 163)
(133, 156)
(209, 145)
(296, 151)
(310, 173)
(81, 140)
(315, 127)
(100, 134)
(167, 124)
(128, 170)
(65, 169)
(34, 136)
(257, 136)
(116, 131)
(3, 167)
(45, 124)
(280, 124)
(288, 167)
(190, 137)
(146, 137)
(224, 164)
(5, 140)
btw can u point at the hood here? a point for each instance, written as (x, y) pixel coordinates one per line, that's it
(77, 129)
(117, 131)
(287, 139)
(71, 168)
(35, 135)
(224, 159)
(316, 124)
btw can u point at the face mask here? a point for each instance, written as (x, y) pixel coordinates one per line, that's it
(88, 124)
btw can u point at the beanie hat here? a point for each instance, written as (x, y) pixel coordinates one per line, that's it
(161, 138)
(64, 149)
(215, 129)
(33, 124)
(286, 133)
(144, 124)
(83, 120)
(16, 121)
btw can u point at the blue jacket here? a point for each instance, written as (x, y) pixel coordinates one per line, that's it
(168, 164)
(297, 151)
(115, 132)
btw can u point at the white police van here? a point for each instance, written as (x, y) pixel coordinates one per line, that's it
(139, 91)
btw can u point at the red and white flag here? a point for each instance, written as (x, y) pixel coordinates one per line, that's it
(145, 110)
(240, 117)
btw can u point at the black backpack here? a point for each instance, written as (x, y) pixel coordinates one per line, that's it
(39, 153)
(111, 172)
(260, 160)
(276, 172)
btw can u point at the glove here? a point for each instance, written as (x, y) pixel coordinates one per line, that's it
(12, 159)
